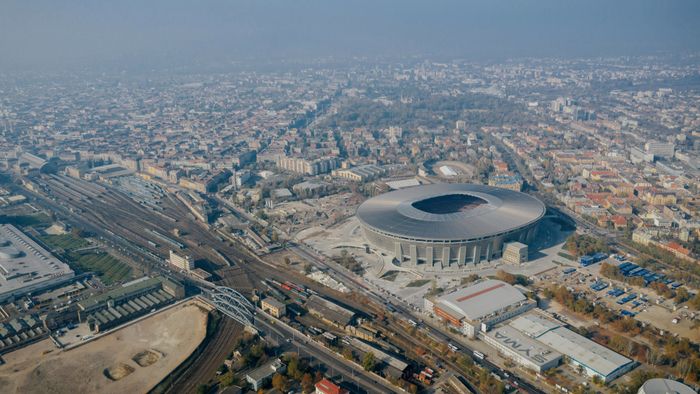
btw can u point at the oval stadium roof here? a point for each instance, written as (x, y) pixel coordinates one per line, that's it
(450, 212)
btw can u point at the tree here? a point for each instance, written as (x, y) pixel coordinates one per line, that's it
(347, 353)
(695, 301)
(226, 379)
(293, 367)
(307, 383)
(202, 389)
(318, 376)
(682, 295)
(369, 362)
(280, 382)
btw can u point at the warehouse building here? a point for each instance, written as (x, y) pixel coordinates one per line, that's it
(480, 306)
(128, 302)
(26, 267)
(595, 359)
(522, 349)
(392, 364)
(20, 331)
(329, 312)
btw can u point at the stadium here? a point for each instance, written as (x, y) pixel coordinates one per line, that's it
(449, 226)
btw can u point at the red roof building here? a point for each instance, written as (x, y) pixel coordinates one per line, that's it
(325, 386)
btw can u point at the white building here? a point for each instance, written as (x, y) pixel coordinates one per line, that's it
(25, 266)
(181, 262)
(594, 359)
(515, 253)
(479, 307)
(522, 349)
(660, 149)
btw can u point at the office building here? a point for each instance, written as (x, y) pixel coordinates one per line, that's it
(181, 262)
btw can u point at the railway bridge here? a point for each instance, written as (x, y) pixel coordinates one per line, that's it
(233, 304)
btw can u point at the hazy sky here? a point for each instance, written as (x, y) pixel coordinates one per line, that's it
(160, 32)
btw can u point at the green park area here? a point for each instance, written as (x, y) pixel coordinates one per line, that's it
(108, 268)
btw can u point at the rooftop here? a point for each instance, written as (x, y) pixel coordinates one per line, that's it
(23, 263)
(480, 300)
(579, 348)
(121, 292)
(534, 351)
(533, 325)
(449, 212)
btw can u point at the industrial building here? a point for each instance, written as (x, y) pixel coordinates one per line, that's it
(480, 306)
(19, 331)
(522, 349)
(595, 359)
(128, 302)
(393, 365)
(449, 226)
(330, 312)
(26, 267)
(273, 307)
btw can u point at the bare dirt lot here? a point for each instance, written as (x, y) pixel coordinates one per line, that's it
(131, 360)
(661, 318)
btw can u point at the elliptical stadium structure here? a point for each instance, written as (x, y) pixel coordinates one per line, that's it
(444, 227)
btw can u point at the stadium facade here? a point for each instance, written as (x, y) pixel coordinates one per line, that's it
(449, 226)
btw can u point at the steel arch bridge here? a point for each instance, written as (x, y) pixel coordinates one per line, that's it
(232, 304)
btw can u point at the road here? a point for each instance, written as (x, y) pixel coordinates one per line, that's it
(368, 382)
(249, 268)
(404, 311)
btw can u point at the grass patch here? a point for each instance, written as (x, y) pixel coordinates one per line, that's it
(566, 256)
(26, 220)
(108, 268)
(390, 275)
(67, 242)
(418, 283)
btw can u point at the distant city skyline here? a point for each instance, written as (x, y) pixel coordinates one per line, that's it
(161, 34)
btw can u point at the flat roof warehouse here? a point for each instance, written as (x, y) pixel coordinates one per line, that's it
(597, 359)
(534, 351)
(25, 266)
(480, 300)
